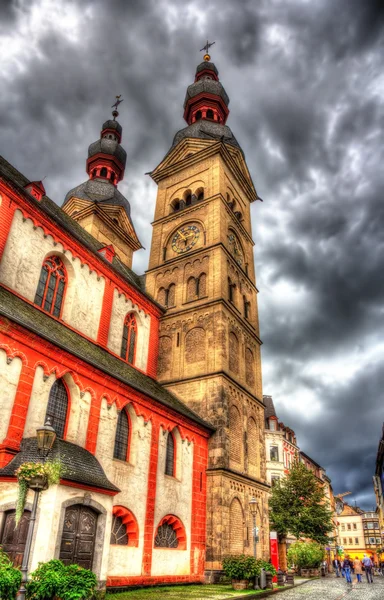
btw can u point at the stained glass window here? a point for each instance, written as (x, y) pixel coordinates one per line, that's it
(170, 456)
(51, 286)
(166, 537)
(58, 407)
(119, 534)
(120, 450)
(128, 345)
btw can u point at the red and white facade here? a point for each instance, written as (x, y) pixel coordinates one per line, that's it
(92, 300)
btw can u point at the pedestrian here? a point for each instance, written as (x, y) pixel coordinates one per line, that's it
(336, 565)
(368, 568)
(347, 568)
(342, 568)
(358, 569)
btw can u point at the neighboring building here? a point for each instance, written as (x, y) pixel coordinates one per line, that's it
(135, 387)
(378, 481)
(201, 269)
(280, 444)
(351, 532)
(372, 533)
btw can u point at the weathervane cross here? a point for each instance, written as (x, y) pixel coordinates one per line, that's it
(118, 101)
(207, 46)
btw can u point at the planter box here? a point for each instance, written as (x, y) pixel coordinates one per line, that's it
(240, 584)
(38, 483)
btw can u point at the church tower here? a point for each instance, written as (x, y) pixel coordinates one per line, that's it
(201, 270)
(97, 205)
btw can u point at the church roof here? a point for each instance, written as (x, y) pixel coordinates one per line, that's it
(207, 130)
(28, 316)
(52, 210)
(269, 407)
(79, 465)
(100, 192)
(107, 146)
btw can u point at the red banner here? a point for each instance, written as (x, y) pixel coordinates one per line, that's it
(274, 551)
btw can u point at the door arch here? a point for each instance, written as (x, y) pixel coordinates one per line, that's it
(13, 538)
(78, 536)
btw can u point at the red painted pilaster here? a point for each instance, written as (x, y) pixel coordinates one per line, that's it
(199, 507)
(11, 444)
(106, 312)
(7, 210)
(93, 425)
(153, 348)
(151, 496)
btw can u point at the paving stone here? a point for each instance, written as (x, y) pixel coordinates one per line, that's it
(332, 588)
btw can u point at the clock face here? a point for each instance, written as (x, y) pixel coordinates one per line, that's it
(185, 238)
(235, 248)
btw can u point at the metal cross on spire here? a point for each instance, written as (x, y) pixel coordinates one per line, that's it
(115, 106)
(207, 46)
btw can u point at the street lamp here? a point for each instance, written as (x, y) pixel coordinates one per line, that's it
(253, 508)
(46, 436)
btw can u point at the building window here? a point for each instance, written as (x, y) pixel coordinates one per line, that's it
(51, 286)
(344, 541)
(231, 290)
(198, 115)
(170, 456)
(247, 307)
(209, 113)
(103, 172)
(343, 527)
(272, 424)
(356, 541)
(57, 408)
(171, 534)
(274, 480)
(128, 345)
(350, 541)
(119, 534)
(120, 450)
(354, 526)
(274, 453)
(349, 526)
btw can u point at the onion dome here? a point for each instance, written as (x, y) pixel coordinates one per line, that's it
(106, 158)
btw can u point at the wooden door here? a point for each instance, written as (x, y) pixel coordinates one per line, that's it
(13, 538)
(78, 537)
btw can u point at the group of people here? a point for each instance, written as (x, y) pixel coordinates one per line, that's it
(346, 567)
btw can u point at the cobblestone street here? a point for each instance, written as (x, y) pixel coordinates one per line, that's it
(332, 588)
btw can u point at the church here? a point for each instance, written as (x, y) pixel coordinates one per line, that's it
(152, 383)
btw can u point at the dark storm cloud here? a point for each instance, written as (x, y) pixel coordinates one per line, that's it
(306, 88)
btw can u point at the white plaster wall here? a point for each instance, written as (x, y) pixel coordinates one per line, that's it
(132, 479)
(120, 308)
(274, 438)
(9, 378)
(79, 407)
(20, 267)
(44, 546)
(174, 496)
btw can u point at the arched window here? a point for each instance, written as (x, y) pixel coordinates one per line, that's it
(235, 435)
(125, 531)
(171, 295)
(198, 115)
(94, 173)
(51, 286)
(128, 346)
(191, 289)
(253, 445)
(176, 204)
(231, 290)
(201, 285)
(165, 355)
(103, 172)
(209, 113)
(57, 408)
(170, 456)
(113, 177)
(188, 198)
(249, 367)
(233, 352)
(120, 450)
(119, 534)
(200, 195)
(247, 306)
(236, 527)
(195, 346)
(171, 534)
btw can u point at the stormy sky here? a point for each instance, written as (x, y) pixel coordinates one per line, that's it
(306, 85)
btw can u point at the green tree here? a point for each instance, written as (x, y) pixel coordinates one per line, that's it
(298, 506)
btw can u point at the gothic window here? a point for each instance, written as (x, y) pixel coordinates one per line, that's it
(120, 450)
(119, 534)
(200, 194)
(128, 346)
(236, 527)
(247, 307)
(51, 286)
(57, 408)
(231, 290)
(209, 114)
(233, 353)
(201, 286)
(249, 368)
(171, 295)
(195, 345)
(188, 198)
(176, 204)
(191, 289)
(161, 296)
(103, 172)
(274, 453)
(170, 456)
(235, 435)
(165, 354)
(253, 443)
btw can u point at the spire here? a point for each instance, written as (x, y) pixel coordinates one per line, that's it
(206, 98)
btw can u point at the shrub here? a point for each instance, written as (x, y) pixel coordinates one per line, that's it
(240, 566)
(263, 564)
(10, 578)
(54, 579)
(306, 555)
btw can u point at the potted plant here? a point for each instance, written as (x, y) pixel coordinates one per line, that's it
(240, 569)
(10, 578)
(269, 569)
(36, 476)
(307, 556)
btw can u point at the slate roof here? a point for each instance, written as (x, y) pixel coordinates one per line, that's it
(79, 465)
(50, 208)
(107, 146)
(207, 130)
(112, 124)
(207, 65)
(100, 192)
(209, 86)
(269, 407)
(43, 325)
